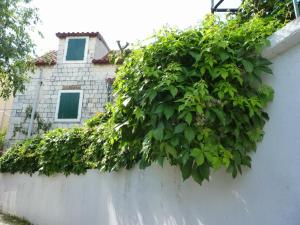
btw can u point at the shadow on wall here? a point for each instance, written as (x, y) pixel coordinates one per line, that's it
(155, 196)
(158, 196)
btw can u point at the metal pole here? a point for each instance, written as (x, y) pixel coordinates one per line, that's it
(295, 3)
(35, 104)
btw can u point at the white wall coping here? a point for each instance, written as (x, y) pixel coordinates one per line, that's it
(283, 39)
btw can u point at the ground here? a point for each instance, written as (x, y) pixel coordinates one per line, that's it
(12, 220)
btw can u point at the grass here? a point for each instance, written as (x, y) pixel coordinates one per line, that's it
(13, 220)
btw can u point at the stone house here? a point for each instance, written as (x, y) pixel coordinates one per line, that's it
(68, 86)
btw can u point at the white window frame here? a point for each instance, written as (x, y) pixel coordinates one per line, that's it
(85, 49)
(79, 106)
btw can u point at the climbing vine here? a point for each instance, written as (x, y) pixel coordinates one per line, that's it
(41, 125)
(194, 98)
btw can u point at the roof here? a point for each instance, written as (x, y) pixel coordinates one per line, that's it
(47, 59)
(283, 39)
(105, 60)
(79, 34)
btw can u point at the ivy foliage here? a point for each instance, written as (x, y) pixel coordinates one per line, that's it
(2, 139)
(194, 98)
(281, 10)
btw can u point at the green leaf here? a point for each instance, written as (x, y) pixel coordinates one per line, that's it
(175, 141)
(186, 170)
(223, 55)
(247, 65)
(185, 156)
(197, 175)
(171, 150)
(199, 109)
(189, 134)
(198, 155)
(159, 109)
(266, 69)
(152, 94)
(179, 128)
(202, 70)
(173, 91)
(221, 115)
(264, 62)
(158, 133)
(188, 118)
(195, 55)
(168, 111)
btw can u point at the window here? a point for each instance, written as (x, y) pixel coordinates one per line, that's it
(76, 49)
(68, 107)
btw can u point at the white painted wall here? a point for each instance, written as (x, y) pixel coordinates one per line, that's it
(268, 194)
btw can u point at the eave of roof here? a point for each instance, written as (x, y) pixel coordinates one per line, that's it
(77, 34)
(80, 34)
(105, 61)
(48, 59)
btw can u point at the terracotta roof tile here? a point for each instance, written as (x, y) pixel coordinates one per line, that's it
(105, 60)
(47, 59)
(78, 34)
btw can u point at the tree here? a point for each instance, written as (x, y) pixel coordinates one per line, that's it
(281, 10)
(17, 19)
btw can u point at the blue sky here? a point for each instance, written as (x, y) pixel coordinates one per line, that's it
(129, 20)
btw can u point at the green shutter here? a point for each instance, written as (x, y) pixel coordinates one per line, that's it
(68, 106)
(76, 49)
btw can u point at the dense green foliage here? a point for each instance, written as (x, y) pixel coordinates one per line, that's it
(2, 139)
(194, 98)
(17, 19)
(13, 220)
(281, 10)
(60, 150)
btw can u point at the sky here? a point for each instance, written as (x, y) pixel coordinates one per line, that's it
(125, 20)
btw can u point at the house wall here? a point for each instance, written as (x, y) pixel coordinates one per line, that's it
(100, 49)
(5, 111)
(90, 78)
(267, 194)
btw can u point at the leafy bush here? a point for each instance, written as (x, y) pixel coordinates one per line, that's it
(22, 157)
(2, 139)
(281, 10)
(98, 119)
(62, 150)
(194, 98)
(58, 151)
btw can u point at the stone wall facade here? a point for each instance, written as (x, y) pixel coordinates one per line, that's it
(47, 81)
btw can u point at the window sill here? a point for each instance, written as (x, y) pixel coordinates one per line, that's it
(67, 120)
